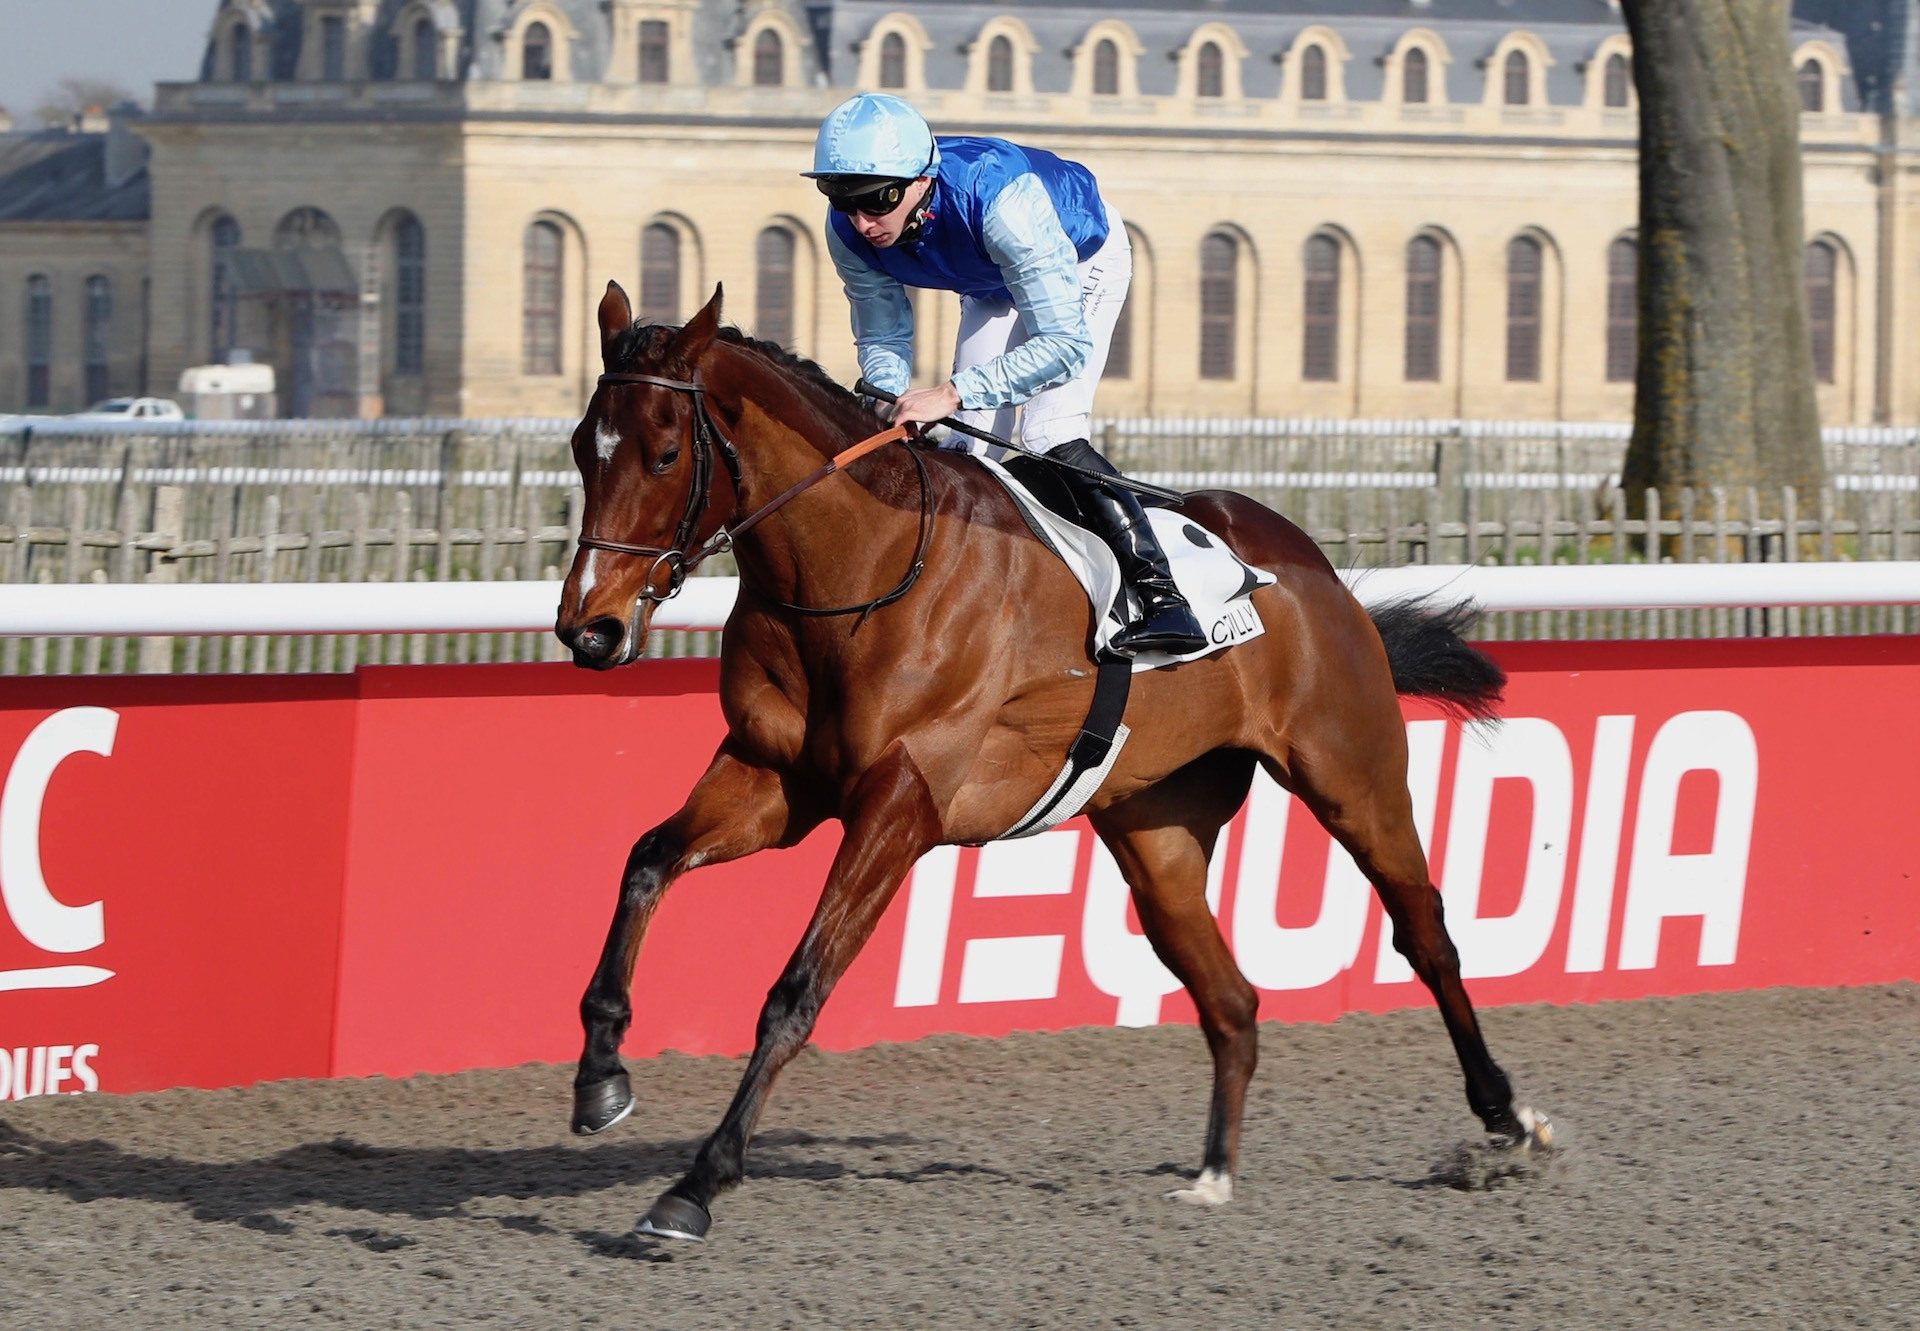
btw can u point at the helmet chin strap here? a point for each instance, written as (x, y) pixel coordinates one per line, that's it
(910, 233)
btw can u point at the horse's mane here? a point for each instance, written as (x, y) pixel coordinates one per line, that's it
(643, 340)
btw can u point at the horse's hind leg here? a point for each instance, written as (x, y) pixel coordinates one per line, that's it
(1162, 839)
(734, 809)
(890, 823)
(1359, 792)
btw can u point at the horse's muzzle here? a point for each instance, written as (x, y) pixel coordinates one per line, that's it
(597, 645)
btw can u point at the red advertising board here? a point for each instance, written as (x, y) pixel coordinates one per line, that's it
(170, 864)
(213, 881)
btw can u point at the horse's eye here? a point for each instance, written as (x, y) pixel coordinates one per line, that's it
(667, 459)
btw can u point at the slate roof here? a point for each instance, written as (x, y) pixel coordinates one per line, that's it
(55, 175)
(1571, 30)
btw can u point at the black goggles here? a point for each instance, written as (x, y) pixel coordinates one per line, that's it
(876, 200)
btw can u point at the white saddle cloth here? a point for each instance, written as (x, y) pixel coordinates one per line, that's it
(1214, 580)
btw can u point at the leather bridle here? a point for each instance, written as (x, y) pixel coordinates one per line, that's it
(709, 439)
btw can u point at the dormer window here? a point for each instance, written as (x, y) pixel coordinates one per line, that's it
(893, 61)
(1313, 74)
(654, 65)
(536, 53)
(1209, 73)
(1519, 79)
(240, 53)
(333, 48)
(1413, 78)
(1106, 69)
(1619, 82)
(426, 40)
(1000, 64)
(1813, 87)
(769, 60)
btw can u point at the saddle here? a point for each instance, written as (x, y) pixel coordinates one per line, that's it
(1214, 580)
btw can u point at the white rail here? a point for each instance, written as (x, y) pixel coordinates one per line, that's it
(133, 609)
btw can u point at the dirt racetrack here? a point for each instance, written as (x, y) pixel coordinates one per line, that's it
(1741, 1160)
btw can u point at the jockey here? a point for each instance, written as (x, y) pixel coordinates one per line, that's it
(1041, 264)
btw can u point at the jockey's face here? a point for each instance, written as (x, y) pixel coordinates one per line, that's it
(885, 230)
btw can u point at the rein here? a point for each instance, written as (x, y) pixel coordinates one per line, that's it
(709, 439)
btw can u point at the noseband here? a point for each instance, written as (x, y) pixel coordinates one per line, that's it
(709, 439)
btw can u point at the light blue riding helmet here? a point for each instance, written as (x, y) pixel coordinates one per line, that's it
(874, 135)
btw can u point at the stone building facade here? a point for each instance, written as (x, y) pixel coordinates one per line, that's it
(1338, 207)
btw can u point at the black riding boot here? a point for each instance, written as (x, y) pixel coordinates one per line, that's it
(1166, 623)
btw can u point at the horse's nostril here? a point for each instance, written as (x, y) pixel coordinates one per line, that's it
(600, 639)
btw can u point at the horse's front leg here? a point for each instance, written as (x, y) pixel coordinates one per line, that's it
(890, 822)
(735, 809)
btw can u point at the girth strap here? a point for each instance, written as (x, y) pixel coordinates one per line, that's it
(1090, 757)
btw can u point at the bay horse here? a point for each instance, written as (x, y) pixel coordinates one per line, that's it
(906, 657)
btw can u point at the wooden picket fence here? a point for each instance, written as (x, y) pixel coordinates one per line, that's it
(337, 502)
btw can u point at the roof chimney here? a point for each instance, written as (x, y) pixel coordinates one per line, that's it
(126, 155)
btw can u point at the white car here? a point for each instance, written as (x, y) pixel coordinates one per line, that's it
(132, 409)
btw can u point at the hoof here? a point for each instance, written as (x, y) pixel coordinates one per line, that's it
(1539, 1130)
(675, 1217)
(601, 1105)
(1210, 1189)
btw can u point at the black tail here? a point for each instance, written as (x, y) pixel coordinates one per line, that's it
(1430, 659)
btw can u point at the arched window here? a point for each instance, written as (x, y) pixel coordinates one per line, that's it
(1519, 79)
(307, 229)
(1219, 299)
(541, 260)
(1619, 82)
(39, 330)
(1524, 265)
(1000, 64)
(1313, 74)
(660, 274)
(240, 53)
(426, 51)
(773, 286)
(97, 338)
(1320, 351)
(409, 296)
(1623, 310)
(1209, 71)
(893, 61)
(1106, 68)
(1823, 307)
(1413, 78)
(536, 53)
(654, 63)
(1423, 310)
(1813, 87)
(224, 238)
(769, 59)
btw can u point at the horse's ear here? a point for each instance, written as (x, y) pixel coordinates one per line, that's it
(616, 316)
(693, 340)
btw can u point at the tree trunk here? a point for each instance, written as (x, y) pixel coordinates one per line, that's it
(1725, 386)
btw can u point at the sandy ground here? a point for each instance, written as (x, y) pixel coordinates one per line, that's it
(1727, 1161)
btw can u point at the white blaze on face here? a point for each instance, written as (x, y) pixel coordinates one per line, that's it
(587, 578)
(605, 440)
